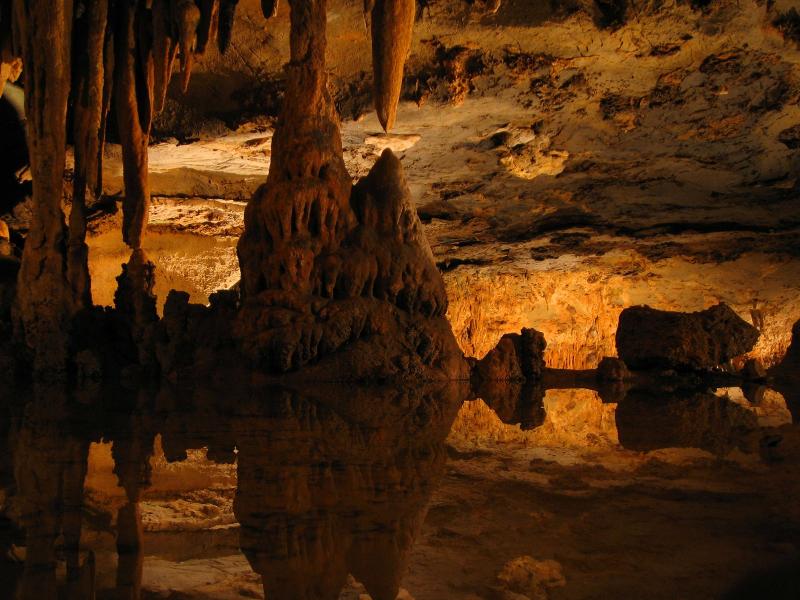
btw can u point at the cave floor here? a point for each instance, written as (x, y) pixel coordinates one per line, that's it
(665, 496)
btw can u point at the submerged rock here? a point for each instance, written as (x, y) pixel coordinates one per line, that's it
(648, 338)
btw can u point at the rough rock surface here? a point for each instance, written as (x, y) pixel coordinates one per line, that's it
(648, 338)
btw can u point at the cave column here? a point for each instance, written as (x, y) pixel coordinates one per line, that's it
(43, 30)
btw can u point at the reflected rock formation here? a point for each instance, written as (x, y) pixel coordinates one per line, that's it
(331, 491)
(651, 419)
(331, 482)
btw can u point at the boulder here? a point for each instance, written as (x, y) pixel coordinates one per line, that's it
(648, 338)
(612, 369)
(789, 367)
(753, 370)
(517, 357)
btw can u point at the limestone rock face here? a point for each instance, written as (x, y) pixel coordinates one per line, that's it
(651, 338)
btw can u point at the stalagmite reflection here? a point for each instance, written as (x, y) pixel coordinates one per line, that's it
(331, 482)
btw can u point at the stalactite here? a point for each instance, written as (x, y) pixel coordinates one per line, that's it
(227, 15)
(209, 21)
(87, 105)
(133, 89)
(108, 89)
(186, 19)
(43, 32)
(165, 51)
(392, 29)
(269, 8)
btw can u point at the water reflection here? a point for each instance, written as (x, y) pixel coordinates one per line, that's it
(330, 482)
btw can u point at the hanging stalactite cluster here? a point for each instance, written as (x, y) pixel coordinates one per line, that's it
(108, 65)
(83, 57)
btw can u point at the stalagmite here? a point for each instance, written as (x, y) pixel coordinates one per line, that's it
(392, 30)
(87, 103)
(326, 266)
(43, 30)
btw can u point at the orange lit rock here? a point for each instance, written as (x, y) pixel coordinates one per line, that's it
(330, 271)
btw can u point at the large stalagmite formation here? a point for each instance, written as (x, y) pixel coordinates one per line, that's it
(327, 267)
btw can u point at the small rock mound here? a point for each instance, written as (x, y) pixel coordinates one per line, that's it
(648, 338)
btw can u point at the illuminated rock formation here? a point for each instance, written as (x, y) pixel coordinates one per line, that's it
(77, 58)
(650, 338)
(325, 265)
(45, 303)
(332, 270)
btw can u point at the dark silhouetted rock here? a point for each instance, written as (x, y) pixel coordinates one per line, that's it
(654, 339)
(787, 374)
(753, 370)
(612, 369)
(517, 357)
(789, 367)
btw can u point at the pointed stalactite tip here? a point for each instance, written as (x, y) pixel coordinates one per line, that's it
(269, 8)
